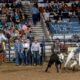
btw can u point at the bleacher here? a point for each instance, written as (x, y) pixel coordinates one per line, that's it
(16, 28)
(65, 28)
(68, 11)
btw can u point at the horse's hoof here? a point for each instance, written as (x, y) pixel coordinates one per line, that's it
(57, 71)
(64, 68)
(45, 70)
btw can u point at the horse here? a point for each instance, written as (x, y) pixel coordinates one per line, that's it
(57, 59)
(75, 56)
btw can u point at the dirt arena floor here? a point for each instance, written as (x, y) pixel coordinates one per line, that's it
(11, 72)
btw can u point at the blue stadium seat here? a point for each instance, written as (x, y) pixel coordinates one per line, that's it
(59, 28)
(74, 19)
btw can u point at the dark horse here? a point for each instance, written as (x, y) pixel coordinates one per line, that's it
(54, 58)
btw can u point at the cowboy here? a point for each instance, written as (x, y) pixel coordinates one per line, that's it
(36, 52)
(18, 49)
(26, 47)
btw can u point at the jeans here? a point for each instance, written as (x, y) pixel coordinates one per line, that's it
(34, 17)
(38, 17)
(25, 52)
(17, 57)
(35, 57)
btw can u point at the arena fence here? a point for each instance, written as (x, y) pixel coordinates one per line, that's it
(10, 55)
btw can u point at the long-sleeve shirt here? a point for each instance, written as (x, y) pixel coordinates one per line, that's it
(46, 15)
(18, 46)
(26, 45)
(34, 10)
(36, 47)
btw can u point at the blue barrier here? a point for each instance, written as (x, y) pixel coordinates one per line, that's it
(60, 28)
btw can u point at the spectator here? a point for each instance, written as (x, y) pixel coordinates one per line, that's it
(17, 17)
(26, 47)
(35, 14)
(36, 52)
(46, 15)
(1, 52)
(18, 50)
(30, 36)
(2, 36)
(60, 20)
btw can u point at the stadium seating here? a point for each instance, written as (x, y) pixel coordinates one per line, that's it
(60, 28)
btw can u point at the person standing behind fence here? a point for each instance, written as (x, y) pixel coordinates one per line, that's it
(18, 49)
(36, 52)
(56, 47)
(26, 47)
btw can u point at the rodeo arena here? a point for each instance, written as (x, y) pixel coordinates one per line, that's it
(39, 39)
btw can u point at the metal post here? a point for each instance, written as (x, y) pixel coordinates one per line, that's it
(9, 49)
(43, 49)
(64, 35)
(64, 38)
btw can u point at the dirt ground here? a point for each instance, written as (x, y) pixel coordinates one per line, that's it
(11, 72)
